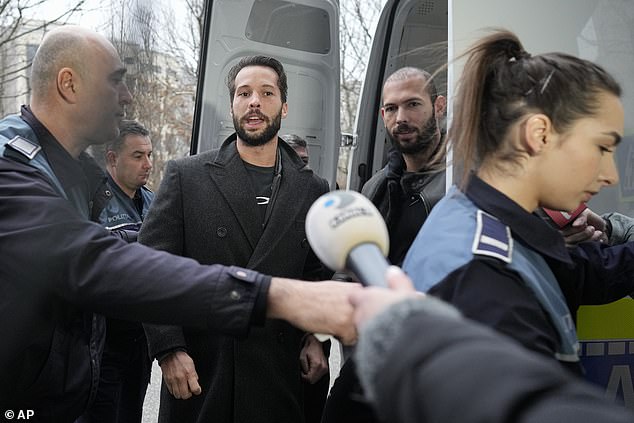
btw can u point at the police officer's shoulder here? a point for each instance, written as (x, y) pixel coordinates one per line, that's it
(492, 238)
(21, 149)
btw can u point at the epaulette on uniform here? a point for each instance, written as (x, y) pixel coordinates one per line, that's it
(27, 150)
(492, 238)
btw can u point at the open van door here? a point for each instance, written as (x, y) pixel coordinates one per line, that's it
(409, 33)
(304, 36)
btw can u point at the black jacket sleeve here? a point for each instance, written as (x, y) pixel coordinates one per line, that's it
(420, 362)
(602, 273)
(51, 251)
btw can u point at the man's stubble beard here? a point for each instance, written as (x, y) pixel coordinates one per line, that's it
(424, 140)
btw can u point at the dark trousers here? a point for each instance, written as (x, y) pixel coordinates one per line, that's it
(125, 374)
(315, 399)
(346, 402)
(315, 395)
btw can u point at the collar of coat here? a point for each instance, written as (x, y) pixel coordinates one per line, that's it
(228, 151)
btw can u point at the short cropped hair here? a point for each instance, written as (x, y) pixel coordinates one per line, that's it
(56, 51)
(408, 72)
(127, 127)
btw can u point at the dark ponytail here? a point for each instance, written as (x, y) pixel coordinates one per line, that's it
(501, 82)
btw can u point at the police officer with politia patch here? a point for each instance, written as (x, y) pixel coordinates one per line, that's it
(125, 365)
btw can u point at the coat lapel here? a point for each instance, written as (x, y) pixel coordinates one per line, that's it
(229, 174)
(288, 204)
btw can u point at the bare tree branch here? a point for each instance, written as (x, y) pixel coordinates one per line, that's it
(8, 75)
(163, 95)
(15, 28)
(356, 28)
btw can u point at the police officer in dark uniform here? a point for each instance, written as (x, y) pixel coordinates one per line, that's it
(125, 365)
(535, 131)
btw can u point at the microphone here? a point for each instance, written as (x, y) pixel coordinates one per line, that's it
(347, 232)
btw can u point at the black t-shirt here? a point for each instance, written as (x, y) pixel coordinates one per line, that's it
(261, 181)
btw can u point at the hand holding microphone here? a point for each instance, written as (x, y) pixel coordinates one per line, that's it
(347, 232)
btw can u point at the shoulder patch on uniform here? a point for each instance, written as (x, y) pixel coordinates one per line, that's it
(27, 148)
(492, 238)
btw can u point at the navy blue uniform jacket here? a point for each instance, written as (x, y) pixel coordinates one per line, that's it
(56, 265)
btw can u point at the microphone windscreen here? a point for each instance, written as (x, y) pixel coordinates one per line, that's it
(339, 221)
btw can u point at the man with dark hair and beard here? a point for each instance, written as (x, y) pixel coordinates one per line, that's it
(413, 180)
(404, 191)
(243, 204)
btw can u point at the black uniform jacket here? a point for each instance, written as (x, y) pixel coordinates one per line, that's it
(57, 264)
(486, 290)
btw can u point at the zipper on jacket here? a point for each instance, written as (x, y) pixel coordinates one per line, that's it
(422, 197)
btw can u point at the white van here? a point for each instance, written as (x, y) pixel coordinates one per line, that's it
(304, 36)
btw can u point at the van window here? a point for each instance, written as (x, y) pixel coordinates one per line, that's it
(289, 25)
